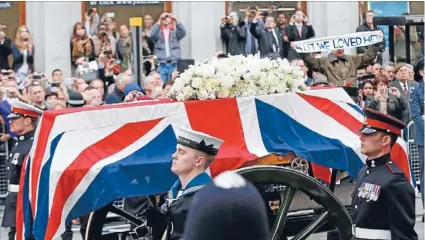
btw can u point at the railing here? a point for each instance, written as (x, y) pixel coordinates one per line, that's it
(412, 151)
(4, 155)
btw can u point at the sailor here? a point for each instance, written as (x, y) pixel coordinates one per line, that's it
(195, 151)
(383, 200)
(23, 121)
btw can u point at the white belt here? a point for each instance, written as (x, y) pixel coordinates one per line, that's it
(372, 233)
(13, 188)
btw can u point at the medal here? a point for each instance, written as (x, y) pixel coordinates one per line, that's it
(360, 193)
(378, 189)
(15, 159)
(367, 195)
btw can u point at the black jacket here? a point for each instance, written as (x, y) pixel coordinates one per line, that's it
(5, 51)
(14, 164)
(265, 41)
(307, 32)
(234, 37)
(365, 28)
(383, 202)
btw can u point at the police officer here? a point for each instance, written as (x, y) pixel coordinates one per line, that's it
(383, 199)
(23, 121)
(230, 208)
(194, 153)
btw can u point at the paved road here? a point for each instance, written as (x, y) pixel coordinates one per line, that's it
(419, 227)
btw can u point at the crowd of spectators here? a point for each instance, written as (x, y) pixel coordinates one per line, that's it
(101, 63)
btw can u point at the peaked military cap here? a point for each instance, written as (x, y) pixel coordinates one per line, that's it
(20, 109)
(199, 141)
(376, 121)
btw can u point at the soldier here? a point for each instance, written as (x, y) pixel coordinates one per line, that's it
(195, 152)
(23, 121)
(383, 199)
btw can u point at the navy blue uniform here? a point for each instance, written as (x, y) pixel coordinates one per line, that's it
(16, 158)
(383, 202)
(178, 204)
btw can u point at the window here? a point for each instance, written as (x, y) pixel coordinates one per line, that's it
(11, 18)
(287, 7)
(124, 10)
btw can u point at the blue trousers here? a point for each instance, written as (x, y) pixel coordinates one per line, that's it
(165, 70)
(421, 161)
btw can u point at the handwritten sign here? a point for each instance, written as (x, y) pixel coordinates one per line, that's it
(351, 40)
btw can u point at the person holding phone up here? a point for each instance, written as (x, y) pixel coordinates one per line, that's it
(299, 29)
(166, 34)
(233, 33)
(385, 100)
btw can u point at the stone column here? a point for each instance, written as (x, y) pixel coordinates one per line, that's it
(51, 25)
(333, 18)
(202, 22)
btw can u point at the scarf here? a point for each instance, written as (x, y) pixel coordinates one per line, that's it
(171, 27)
(81, 48)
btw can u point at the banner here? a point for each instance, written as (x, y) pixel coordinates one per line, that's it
(351, 40)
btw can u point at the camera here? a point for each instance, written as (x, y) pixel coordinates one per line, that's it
(36, 77)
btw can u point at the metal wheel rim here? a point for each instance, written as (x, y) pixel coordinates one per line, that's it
(295, 180)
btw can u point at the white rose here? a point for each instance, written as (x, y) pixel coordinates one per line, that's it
(224, 93)
(178, 85)
(281, 88)
(212, 95)
(207, 71)
(202, 94)
(197, 83)
(227, 82)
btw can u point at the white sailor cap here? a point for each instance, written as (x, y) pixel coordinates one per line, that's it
(199, 141)
(20, 109)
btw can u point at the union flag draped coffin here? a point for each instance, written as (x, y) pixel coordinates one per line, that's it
(83, 159)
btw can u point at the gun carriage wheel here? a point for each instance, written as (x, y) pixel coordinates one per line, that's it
(324, 212)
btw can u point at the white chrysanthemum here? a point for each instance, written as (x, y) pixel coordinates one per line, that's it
(178, 85)
(196, 83)
(202, 94)
(281, 88)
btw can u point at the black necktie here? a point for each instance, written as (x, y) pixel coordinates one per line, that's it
(253, 45)
(274, 41)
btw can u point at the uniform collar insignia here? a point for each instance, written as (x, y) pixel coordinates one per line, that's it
(26, 136)
(378, 161)
(201, 179)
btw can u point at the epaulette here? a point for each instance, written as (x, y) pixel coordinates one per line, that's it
(393, 168)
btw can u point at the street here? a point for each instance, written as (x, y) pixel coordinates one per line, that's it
(419, 227)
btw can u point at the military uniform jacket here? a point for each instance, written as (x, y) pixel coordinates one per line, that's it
(16, 158)
(383, 202)
(178, 203)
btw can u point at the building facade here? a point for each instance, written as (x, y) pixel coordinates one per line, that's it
(51, 23)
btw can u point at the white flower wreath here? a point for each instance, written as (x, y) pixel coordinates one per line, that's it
(237, 76)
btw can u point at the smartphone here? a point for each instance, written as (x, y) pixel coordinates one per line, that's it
(36, 77)
(393, 90)
(110, 15)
